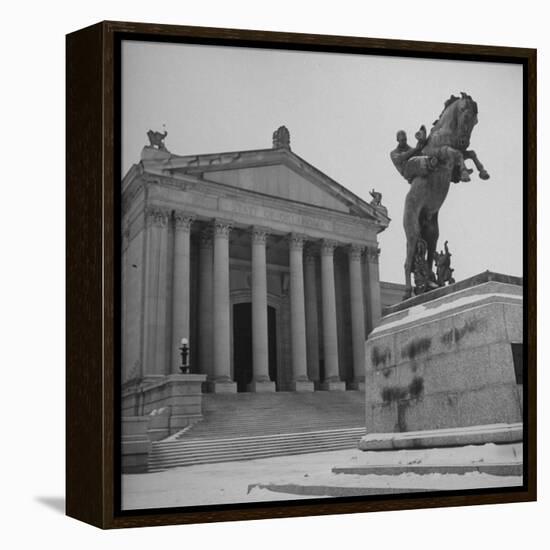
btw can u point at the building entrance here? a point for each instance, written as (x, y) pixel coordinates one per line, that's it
(242, 344)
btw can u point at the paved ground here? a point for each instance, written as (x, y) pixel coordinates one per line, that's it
(309, 476)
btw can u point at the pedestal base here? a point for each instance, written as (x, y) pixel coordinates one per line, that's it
(449, 361)
(263, 386)
(357, 385)
(301, 386)
(222, 386)
(333, 385)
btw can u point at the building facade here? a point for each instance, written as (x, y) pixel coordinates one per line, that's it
(266, 265)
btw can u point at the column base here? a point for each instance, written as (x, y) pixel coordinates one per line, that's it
(357, 385)
(261, 386)
(222, 386)
(333, 385)
(302, 386)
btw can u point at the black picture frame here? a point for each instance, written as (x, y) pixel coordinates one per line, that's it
(93, 272)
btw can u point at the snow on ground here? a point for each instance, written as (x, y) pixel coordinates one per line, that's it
(238, 482)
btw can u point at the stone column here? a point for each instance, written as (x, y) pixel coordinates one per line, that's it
(330, 336)
(357, 309)
(180, 287)
(155, 357)
(205, 302)
(260, 348)
(312, 317)
(300, 380)
(221, 382)
(375, 300)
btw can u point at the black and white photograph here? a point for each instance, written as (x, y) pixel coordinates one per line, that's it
(322, 275)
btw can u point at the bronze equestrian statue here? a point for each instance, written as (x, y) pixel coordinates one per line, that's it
(430, 167)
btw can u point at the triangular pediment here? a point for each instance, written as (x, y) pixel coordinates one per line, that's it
(279, 173)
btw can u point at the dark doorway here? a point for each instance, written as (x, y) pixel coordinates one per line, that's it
(242, 344)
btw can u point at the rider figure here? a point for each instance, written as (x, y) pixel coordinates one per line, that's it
(404, 152)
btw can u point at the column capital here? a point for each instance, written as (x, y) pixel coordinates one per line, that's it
(296, 241)
(328, 246)
(373, 252)
(205, 238)
(221, 228)
(157, 216)
(355, 251)
(259, 234)
(182, 220)
(310, 256)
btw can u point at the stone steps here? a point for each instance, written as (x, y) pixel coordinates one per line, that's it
(246, 426)
(250, 414)
(171, 454)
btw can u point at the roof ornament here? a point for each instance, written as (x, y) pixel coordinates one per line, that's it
(281, 138)
(156, 139)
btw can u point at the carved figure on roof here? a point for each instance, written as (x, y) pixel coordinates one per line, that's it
(156, 139)
(281, 138)
(376, 198)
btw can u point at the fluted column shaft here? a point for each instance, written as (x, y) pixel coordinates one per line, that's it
(330, 335)
(180, 286)
(260, 348)
(221, 304)
(156, 283)
(375, 303)
(312, 318)
(297, 314)
(357, 313)
(205, 303)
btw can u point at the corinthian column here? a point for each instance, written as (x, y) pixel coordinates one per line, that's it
(330, 336)
(205, 302)
(300, 380)
(373, 276)
(156, 283)
(222, 382)
(357, 315)
(312, 318)
(260, 350)
(180, 286)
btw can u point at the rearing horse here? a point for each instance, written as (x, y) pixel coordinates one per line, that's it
(446, 148)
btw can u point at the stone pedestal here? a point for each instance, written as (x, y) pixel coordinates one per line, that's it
(175, 396)
(136, 444)
(261, 386)
(447, 361)
(357, 384)
(301, 386)
(335, 385)
(222, 386)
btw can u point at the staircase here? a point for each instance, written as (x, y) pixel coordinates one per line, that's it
(248, 426)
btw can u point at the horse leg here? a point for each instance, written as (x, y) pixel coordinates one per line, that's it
(471, 154)
(412, 231)
(456, 159)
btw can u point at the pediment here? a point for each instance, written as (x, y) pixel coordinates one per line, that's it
(278, 173)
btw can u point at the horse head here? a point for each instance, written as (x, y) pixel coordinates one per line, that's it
(458, 119)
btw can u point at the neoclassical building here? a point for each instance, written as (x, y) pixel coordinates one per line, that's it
(265, 264)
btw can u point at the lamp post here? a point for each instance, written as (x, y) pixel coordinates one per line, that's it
(184, 350)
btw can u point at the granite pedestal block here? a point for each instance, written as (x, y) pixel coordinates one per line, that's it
(447, 362)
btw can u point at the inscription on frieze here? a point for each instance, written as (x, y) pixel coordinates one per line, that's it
(275, 215)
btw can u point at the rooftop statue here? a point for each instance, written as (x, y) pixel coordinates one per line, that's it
(156, 139)
(376, 198)
(430, 167)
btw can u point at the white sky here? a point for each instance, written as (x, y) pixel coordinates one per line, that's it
(342, 112)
